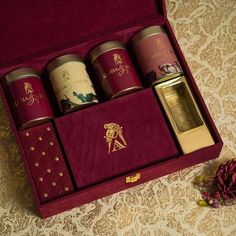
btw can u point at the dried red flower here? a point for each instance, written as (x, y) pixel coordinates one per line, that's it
(226, 180)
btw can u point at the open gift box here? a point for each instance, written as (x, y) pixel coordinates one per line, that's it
(36, 32)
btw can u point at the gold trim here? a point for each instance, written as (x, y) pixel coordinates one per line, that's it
(133, 178)
(20, 73)
(146, 32)
(167, 77)
(104, 47)
(36, 121)
(58, 61)
(184, 114)
(126, 91)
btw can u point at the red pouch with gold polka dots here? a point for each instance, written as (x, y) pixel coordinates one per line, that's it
(45, 158)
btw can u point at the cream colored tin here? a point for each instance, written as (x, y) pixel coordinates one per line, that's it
(71, 83)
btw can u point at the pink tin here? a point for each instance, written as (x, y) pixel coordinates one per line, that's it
(155, 55)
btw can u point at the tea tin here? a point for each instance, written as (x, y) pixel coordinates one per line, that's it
(71, 83)
(27, 97)
(114, 69)
(155, 55)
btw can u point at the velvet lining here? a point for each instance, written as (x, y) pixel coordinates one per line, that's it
(145, 138)
(34, 32)
(30, 26)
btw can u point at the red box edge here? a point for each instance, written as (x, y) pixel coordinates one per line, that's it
(118, 184)
(44, 210)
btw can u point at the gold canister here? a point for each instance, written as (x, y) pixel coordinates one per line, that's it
(71, 83)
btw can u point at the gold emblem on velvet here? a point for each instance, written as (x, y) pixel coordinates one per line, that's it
(114, 137)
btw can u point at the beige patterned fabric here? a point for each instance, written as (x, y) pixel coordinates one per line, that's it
(206, 30)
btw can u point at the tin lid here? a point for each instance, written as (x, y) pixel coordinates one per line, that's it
(146, 32)
(35, 122)
(58, 61)
(20, 73)
(104, 47)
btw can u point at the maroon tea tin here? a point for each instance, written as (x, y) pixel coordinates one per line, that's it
(114, 69)
(27, 97)
(155, 55)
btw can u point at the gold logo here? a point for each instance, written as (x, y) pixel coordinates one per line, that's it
(30, 97)
(28, 88)
(65, 75)
(117, 59)
(120, 68)
(114, 137)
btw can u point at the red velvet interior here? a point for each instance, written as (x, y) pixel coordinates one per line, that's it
(146, 134)
(33, 32)
(30, 26)
(119, 28)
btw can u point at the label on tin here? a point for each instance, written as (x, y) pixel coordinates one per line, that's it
(157, 57)
(29, 97)
(115, 72)
(119, 67)
(29, 100)
(72, 85)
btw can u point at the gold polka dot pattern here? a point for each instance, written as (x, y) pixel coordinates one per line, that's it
(163, 207)
(46, 162)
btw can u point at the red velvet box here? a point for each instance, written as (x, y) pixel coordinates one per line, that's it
(144, 138)
(35, 32)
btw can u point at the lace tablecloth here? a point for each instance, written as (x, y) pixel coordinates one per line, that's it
(206, 31)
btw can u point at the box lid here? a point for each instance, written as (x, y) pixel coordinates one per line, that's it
(30, 26)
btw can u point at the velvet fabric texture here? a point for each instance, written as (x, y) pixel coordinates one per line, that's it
(46, 162)
(143, 140)
(30, 26)
(35, 32)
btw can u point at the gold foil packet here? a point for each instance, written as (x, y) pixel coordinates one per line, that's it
(184, 115)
